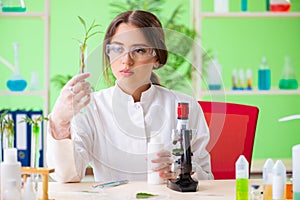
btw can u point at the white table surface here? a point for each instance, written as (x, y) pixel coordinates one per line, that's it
(219, 189)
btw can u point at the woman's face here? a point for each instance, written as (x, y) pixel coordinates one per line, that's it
(131, 56)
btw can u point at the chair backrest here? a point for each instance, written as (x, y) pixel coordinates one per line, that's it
(232, 131)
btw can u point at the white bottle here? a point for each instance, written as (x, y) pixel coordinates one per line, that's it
(296, 170)
(11, 192)
(242, 178)
(154, 146)
(10, 170)
(279, 179)
(267, 178)
(29, 193)
(214, 75)
(221, 6)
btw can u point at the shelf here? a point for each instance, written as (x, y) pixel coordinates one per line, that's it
(249, 14)
(26, 93)
(250, 92)
(23, 14)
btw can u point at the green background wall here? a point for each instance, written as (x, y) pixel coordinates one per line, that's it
(240, 43)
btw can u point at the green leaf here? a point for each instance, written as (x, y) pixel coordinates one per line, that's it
(82, 22)
(143, 195)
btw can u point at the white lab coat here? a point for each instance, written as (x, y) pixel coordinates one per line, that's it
(112, 132)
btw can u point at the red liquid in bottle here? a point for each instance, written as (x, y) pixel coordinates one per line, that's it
(280, 7)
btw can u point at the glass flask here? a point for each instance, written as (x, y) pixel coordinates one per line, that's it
(13, 6)
(288, 80)
(16, 83)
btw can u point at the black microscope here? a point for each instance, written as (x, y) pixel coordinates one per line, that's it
(181, 137)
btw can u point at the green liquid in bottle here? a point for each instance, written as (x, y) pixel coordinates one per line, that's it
(242, 189)
(288, 84)
(13, 9)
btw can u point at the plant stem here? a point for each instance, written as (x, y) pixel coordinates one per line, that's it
(36, 134)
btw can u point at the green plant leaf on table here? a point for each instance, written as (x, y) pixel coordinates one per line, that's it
(143, 195)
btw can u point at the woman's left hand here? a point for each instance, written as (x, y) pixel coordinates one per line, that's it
(165, 161)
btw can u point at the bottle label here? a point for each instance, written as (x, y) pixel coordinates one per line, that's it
(242, 189)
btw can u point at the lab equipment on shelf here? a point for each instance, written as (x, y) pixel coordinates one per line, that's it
(13, 6)
(16, 83)
(288, 80)
(264, 75)
(280, 5)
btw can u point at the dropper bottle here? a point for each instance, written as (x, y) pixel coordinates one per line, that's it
(279, 179)
(267, 179)
(241, 178)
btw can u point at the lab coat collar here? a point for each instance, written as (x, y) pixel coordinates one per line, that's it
(146, 95)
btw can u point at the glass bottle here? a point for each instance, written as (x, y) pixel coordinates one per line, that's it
(264, 76)
(288, 80)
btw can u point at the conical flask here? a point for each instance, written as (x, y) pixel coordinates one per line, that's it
(16, 83)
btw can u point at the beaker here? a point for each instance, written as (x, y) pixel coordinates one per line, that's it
(288, 80)
(13, 6)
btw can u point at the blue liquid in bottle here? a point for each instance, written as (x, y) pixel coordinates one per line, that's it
(264, 76)
(244, 5)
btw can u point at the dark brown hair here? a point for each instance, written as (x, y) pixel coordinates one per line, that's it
(150, 26)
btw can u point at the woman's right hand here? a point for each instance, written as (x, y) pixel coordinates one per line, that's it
(72, 98)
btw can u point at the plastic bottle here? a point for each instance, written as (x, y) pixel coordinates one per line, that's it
(241, 176)
(12, 191)
(264, 75)
(214, 75)
(267, 179)
(29, 193)
(296, 171)
(279, 180)
(10, 170)
(155, 145)
(221, 5)
(288, 80)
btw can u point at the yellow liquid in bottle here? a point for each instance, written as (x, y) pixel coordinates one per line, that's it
(242, 189)
(267, 192)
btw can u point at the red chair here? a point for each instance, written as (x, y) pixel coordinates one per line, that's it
(232, 131)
